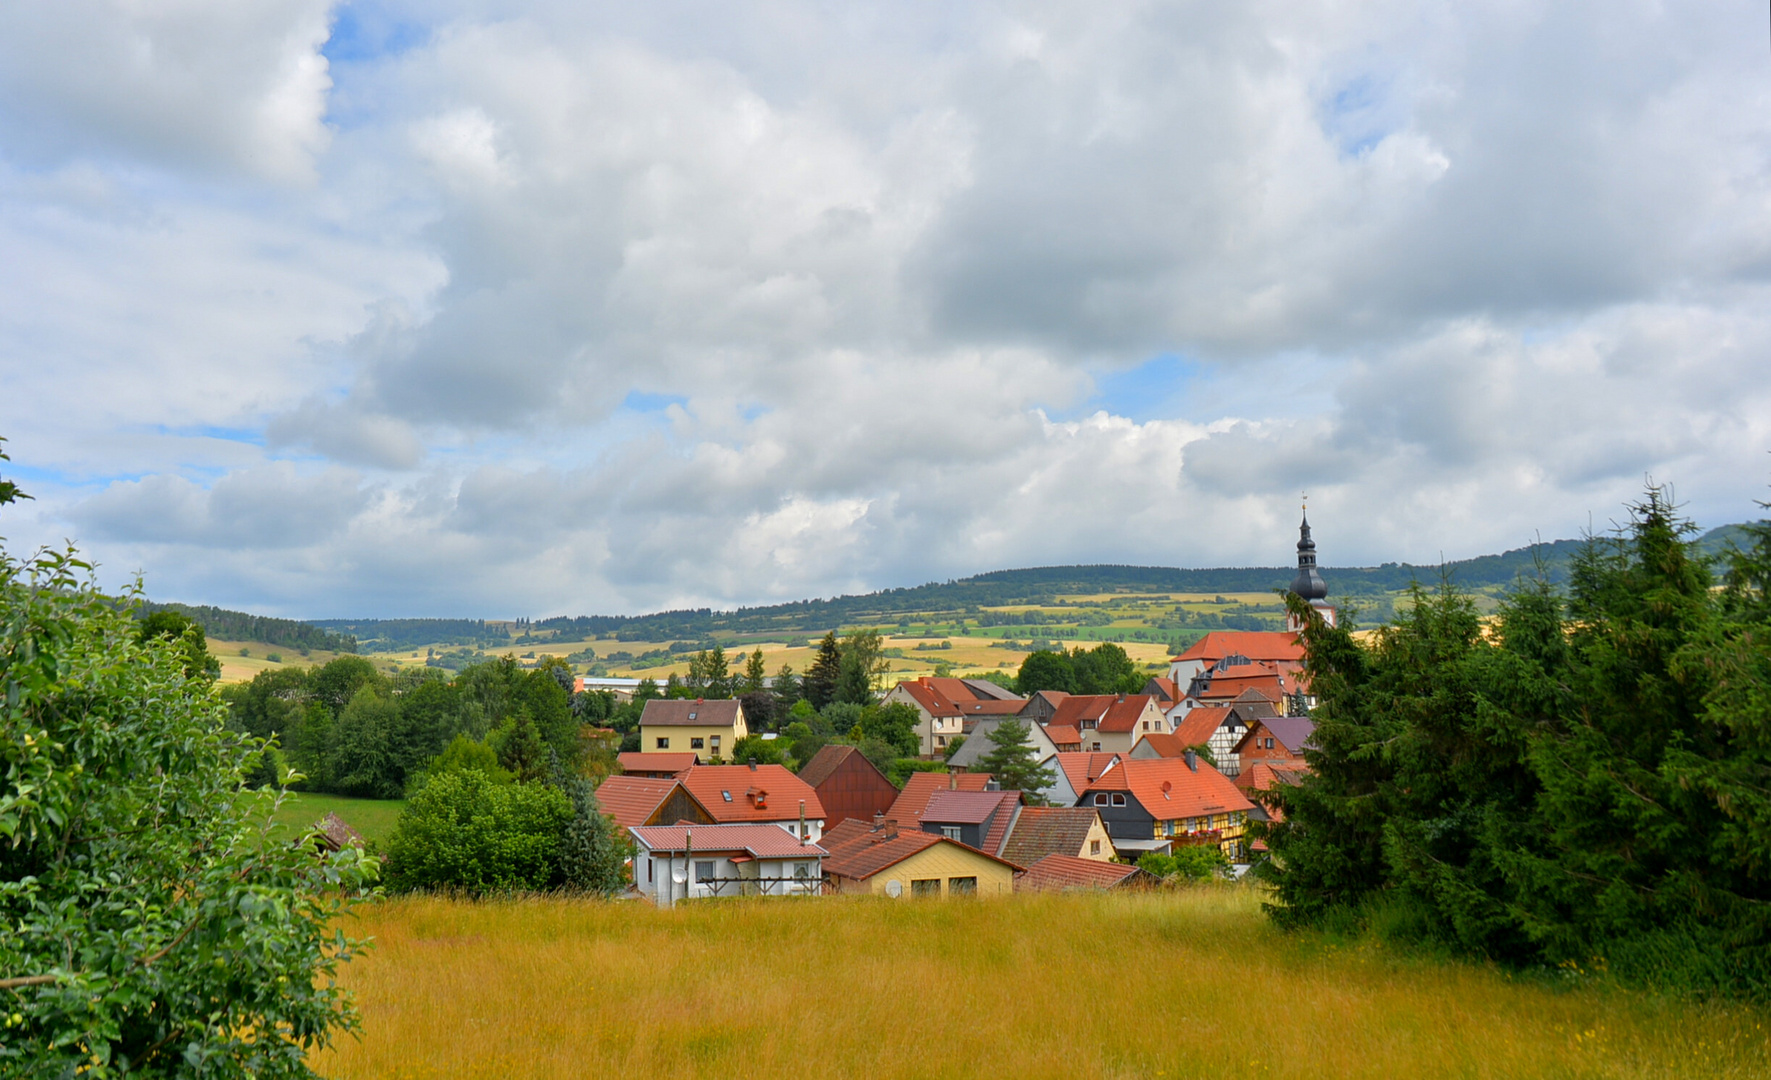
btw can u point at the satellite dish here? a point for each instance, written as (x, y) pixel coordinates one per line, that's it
(894, 889)
(679, 876)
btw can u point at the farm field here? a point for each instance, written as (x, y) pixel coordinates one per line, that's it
(238, 668)
(1198, 984)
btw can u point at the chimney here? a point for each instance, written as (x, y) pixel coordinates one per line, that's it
(891, 831)
(802, 821)
(1192, 759)
(952, 780)
(753, 763)
(878, 820)
(992, 785)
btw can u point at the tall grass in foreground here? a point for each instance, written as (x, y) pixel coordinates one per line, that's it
(1063, 986)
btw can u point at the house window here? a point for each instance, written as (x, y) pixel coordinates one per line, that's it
(1097, 748)
(696, 744)
(1118, 798)
(925, 887)
(951, 832)
(703, 870)
(1094, 847)
(962, 886)
(663, 743)
(940, 740)
(802, 870)
(1100, 798)
(726, 795)
(1269, 744)
(716, 744)
(691, 716)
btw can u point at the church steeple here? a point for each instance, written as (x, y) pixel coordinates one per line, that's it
(1308, 584)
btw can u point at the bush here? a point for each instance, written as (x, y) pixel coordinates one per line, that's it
(467, 831)
(152, 928)
(1192, 863)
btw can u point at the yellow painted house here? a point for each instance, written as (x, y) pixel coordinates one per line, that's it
(707, 729)
(880, 860)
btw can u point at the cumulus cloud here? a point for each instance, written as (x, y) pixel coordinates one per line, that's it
(609, 309)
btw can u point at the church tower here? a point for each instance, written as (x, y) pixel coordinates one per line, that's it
(1308, 583)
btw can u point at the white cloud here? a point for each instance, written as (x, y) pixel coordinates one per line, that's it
(616, 312)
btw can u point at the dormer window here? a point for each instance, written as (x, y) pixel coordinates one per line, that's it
(1100, 798)
(1118, 798)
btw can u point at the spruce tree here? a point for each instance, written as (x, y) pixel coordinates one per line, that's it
(821, 678)
(1010, 760)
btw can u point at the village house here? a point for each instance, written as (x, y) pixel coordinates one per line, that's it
(706, 728)
(682, 862)
(848, 784)
(907, 808)
(756, 795)
(1072, 831)
(977, 741)
(1276, 740)
(1239, 646)
(648, 800)
(880, 859)
(947, 708)
(1154, 804)
(1218, 728)
(1072, 773)
(1040, 706)
(980, 819)
(1109, 723)
(1062, 873)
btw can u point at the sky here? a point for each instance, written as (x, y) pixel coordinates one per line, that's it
(468, 308)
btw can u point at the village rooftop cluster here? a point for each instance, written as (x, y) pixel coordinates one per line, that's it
(1184, 763)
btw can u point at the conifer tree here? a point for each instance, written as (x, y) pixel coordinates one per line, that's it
(819, 685)
(1010, 760)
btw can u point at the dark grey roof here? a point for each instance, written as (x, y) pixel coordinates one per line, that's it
(984, 688)
(1308, 584)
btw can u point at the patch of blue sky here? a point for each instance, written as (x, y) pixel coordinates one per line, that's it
(27, 475)
(1360, 112)
(363, 30)
(248, 436)
(1173, 387)
(638, 401)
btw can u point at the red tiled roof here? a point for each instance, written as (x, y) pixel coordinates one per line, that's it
(1044, 830)
(1196, 728)
(1166, 745)
(975, 808)
(757, 793)
(1169, 790)
(1111, 712)
(932, 701)
(757, 841)
(681, 712)
(1266, 774)
(1254, 644)
(826, 761)
(1081, 769)
(1063, 735)
(907, 809)
(1057, 871)
(858, 851)
(632, 800)
(636, 762)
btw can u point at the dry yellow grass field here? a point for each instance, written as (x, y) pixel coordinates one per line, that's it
(1067, 987)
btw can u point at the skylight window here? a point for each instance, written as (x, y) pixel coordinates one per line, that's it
(726, 795)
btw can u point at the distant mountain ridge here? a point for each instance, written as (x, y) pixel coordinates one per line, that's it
(1028, 587)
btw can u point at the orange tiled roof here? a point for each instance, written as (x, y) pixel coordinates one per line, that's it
(1058, 871)
(1254, 644)
(1082, 769)
(907, 809)
(1196, 727)
(1110, 712)
(635, 762)
(1169, 790)
(632, 800)
(740, 793)
(1167, 745)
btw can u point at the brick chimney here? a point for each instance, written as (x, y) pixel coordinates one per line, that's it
(891, 831)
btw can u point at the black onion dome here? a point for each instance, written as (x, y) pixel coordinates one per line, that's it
(1308, 584)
